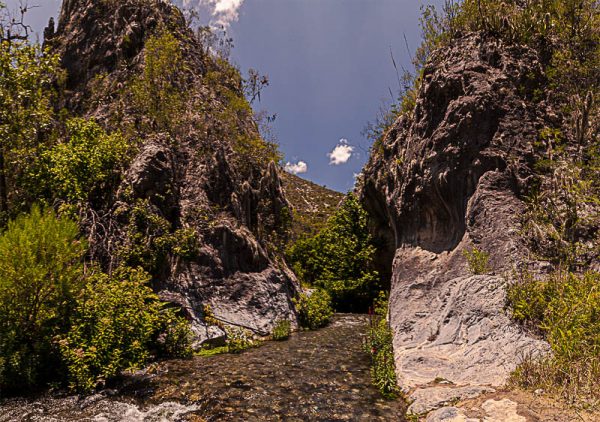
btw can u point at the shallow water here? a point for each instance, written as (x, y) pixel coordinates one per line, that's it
(319, 375)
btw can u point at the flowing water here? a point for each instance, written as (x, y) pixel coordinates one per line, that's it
(319, 375)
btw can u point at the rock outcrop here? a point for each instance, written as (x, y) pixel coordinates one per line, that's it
(194, 178)
(446, 179)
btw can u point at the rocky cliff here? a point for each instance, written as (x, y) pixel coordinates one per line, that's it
(200, 203)
(449, 178)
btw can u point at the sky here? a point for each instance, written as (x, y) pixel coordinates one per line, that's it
(329, 68)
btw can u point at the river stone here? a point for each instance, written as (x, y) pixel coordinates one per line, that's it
(426, 399)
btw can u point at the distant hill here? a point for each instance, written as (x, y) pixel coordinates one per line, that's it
(312, 204)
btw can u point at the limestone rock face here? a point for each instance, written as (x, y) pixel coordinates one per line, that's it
(446, 179)
(196, 178)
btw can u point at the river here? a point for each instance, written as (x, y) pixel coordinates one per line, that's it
(314, 376)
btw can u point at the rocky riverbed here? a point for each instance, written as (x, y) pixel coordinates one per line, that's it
(317, 375)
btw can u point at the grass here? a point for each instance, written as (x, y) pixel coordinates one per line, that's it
(282, 330)
(565, 308)
(212, 352)
(380, 348)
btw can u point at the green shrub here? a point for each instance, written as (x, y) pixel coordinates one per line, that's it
(282, 330)
(379, 346)
(339, 259)
(566, 308)
(314, 309)
(159, 92)
(27, 78)
(41, 272)
(115, 328)
(238, 339)
(478, 261)
(88, 162)
(175, 339)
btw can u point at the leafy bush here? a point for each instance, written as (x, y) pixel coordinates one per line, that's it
(159, 93)
(41, 272)
(565, 307)
(379, 345)
(339, 259)
(561, 217)
(57, 322)
(282, 330)
(26, 77)
(114, 328)
(478, 261)
(314, 309)
(238, 339)
(88, 161)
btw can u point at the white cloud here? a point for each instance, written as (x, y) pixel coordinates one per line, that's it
(223, 12)
(341, 153)
(298, 168)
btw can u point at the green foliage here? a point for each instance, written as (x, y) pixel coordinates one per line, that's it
(314, 309)
(26, 75)
(159, 92)
(86, 163)
(238, 339)
(40, 274)
(379, 346)
(478, 261)
(282, 330)
(55, 319)
(565, 307)
(114, 327)
(339, 258)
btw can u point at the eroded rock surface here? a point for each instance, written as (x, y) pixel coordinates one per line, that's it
(446, 179)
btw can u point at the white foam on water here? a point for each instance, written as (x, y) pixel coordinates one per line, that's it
(164, 412)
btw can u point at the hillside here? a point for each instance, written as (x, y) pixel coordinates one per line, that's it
(312, 204)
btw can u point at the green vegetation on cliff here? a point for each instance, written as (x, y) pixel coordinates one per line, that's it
(379, 346)
(312, 205)
(76, 272)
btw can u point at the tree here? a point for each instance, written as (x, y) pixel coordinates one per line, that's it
(41, 271)
(26, 75)
(339, 259)
(158, 92)
(86, 162)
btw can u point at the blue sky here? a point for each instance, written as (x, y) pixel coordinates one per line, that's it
(329, 67)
